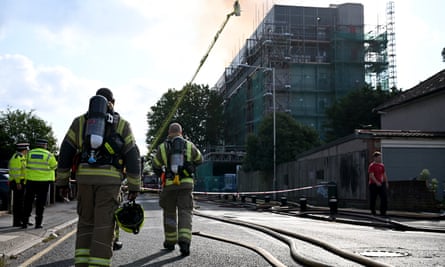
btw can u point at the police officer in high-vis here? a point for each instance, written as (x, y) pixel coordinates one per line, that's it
(104, 144)
(17, 167)
(40, 174)
(175, 163)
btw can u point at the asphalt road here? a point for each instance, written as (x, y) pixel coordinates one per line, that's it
(384, 246)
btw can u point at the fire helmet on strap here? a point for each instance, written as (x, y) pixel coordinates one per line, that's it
(130, 217)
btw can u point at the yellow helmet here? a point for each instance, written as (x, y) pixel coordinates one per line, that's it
(130, 217)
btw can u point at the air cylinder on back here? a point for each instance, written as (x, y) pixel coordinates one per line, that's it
(177, 154)
(95, 126)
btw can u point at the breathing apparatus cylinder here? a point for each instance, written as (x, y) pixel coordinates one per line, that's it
(177, 157)
(95, 126)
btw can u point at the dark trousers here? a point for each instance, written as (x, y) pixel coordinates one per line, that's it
(38, 191)
(177, 205)
(96, 205)
(17, 203)
(379, 191)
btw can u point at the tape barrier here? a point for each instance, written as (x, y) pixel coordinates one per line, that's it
(259, 192)
(246, 193)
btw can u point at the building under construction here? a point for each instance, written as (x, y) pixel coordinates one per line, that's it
(304, 58)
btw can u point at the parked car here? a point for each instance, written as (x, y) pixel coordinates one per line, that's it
(151, 181)
(4, 189)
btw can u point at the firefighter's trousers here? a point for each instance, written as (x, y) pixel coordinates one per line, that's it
(177, 204)
(95, 228)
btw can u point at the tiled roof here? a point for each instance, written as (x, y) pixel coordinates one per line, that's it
(432, 85)
(398, 133)
(377, 134)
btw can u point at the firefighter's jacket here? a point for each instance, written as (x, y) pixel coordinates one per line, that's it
(108, 173)
(17, 165)
(40, 165)
(161, 164)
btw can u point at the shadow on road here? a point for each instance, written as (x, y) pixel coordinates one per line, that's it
(145, 261)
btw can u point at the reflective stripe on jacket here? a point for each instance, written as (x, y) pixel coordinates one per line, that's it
(40, 165)
(192, 155)
(107, 173)
(17, 165)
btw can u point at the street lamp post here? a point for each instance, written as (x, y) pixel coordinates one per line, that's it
(274, 181)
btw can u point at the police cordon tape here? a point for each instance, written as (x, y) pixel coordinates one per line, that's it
(144, 189)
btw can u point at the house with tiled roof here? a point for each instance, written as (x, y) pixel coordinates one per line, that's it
(419, 108)
(412, 139)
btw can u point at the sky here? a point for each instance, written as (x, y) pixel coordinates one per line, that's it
(55, 54)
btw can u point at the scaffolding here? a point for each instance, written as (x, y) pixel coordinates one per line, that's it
(380, 53)
(376, 58)
(318, 54)
(390, 27)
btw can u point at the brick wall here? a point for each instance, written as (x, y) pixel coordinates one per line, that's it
(411, 196)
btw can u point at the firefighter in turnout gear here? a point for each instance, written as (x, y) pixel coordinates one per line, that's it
(106, 146)
(17, 167)
(175, 162)
(39, 175)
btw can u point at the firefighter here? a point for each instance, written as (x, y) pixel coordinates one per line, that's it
(106, 146)
(175, 162)
(39, 175)
(17, 168)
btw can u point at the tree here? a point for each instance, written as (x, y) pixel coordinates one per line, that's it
(21, 126)
(355, 111)
(199, 112)
(292, 138)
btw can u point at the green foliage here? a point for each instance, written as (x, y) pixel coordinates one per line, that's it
(253, 149)
(424, 175)
(431, 183)
(292, 138)
(21, 126)
(355, 111)
(199, 113)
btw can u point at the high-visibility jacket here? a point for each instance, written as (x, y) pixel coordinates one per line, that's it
(40, 165)
(99, 174)
(17, 165)
(192, 156)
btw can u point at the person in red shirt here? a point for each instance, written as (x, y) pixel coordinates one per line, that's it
(378, 184)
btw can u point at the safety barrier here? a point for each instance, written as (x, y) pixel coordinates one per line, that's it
(332, 200)
(259, 192)
(247, 192)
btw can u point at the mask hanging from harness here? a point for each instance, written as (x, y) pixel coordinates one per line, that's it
(95, 126)
(177, 158)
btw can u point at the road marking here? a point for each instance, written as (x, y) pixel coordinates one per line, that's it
(48, 249)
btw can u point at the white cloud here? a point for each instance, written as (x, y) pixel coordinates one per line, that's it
(57, 95)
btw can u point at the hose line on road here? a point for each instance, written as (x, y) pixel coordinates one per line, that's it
(264, 253)
(345, 254)
(301, 259)
(297, 257)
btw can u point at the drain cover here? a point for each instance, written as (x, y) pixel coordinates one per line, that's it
(383, 253)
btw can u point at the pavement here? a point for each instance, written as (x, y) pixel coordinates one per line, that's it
(56, 217)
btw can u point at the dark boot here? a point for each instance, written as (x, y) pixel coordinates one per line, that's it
(169, 246)
(25, 223)
(117, 244)
(38, 222)
(17, 223)
(184, 248)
